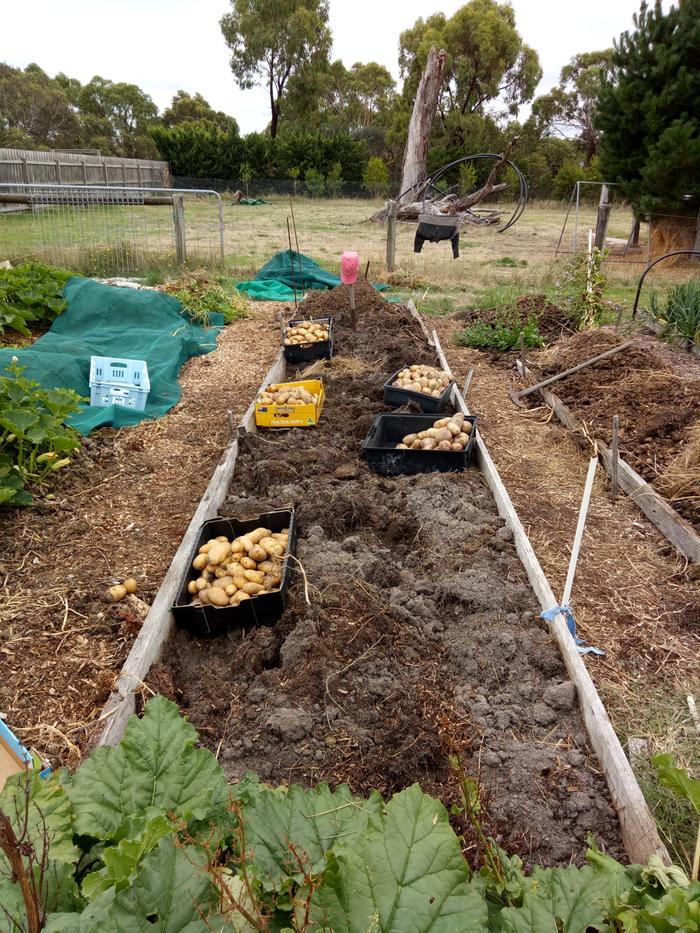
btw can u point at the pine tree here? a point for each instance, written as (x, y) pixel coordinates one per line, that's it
(649, 111)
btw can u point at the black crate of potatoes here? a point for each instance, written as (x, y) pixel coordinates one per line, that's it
(263, 609)
(303, 352)
(396, 397)
(379, 447)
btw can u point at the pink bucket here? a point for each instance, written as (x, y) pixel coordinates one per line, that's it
(349, 267)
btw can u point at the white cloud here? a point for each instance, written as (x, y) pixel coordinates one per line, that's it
(164, 45)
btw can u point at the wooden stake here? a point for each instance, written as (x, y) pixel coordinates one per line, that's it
(296, 240)
(353, 312)
(588, 488)
(467, 383)
(367, 269)
(615, 449)
(523, 366)
(391, 236)
(291, 259)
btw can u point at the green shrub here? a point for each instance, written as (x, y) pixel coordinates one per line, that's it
(33, 438)
(31, 293)
(315, 182)
(376, 177)
(334, 180)
(680, 314)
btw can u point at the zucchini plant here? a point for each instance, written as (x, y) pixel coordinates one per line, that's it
(31, 293)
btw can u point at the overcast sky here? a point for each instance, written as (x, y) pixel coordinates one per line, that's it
(164, 45)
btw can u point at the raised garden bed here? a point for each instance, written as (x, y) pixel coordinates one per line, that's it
(656, 394)
(419, 638)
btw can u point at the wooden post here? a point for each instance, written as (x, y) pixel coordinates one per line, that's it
(179, 228)
(58, 171)
(353, 310)
(138, 170)
(25, 172)
(615, 462)
(84, 164)
(390, 235)
(523, 366)
(104, 169)
(601, 227)
(634, 235)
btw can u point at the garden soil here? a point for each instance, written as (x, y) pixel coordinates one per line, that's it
(410, 649)
(658, 404)
(119, 511)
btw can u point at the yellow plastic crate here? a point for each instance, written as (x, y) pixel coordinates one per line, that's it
(292, 416)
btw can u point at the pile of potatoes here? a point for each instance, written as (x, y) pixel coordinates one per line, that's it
(306, 332)
(231, 571)
(287, 395)
(446, 434)
(425, 379)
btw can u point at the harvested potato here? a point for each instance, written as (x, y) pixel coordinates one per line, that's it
(131, 585)
(217, 596)
(307, 332)
(115, 594)
(427, 380)
(450, 433)
(230, 571)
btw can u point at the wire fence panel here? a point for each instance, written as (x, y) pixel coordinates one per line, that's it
(106, 231)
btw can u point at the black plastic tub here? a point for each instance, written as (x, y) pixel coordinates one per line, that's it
(302, 353)
(258, 610)
(397, 397)
(379, 447)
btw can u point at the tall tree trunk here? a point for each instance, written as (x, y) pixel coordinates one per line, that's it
(415, 158)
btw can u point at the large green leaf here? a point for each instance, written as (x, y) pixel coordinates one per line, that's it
(570, 899)
(407, 876)
(120, 862)
(170, 895)
(285, 825)
(41, 818)
(18, 422)
(40, 811)
(154, 770)
(678, 780)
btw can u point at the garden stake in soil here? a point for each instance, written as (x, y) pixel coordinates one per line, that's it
(615, 462)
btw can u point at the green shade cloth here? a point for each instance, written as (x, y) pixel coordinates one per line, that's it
(250, 202)
(278, 278)
(129, 323)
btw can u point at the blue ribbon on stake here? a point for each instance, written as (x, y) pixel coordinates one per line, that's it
(581, 645)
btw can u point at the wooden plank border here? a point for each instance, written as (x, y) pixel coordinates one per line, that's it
(638, 828)
(679, 532)
(158, 623)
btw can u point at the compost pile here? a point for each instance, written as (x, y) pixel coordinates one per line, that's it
(410, 633)
(657, 406)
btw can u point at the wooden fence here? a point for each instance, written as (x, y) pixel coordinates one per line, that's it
(27, 166)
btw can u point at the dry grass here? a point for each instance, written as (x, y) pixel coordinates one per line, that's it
(681, 478)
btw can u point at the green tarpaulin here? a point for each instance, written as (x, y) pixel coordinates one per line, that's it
(286, 271)
(102, 320)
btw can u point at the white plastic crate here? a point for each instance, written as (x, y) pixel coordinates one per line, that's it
(118, 382)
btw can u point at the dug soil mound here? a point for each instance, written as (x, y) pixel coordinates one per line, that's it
(658, 406)
(410, 648)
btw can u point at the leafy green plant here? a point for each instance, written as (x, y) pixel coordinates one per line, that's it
(202, 295)
(680, 314)
(507, 262)
(147, 835)
(583, 287)
(501, 333)
(33, 438)
(31, 293)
